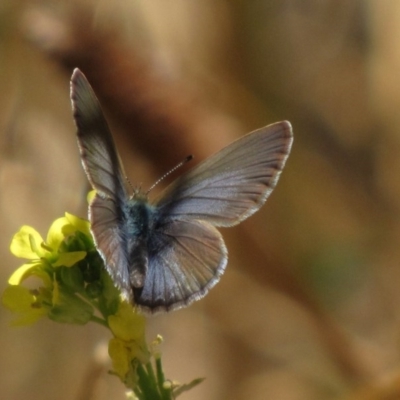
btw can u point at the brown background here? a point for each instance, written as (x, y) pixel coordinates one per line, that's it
(309, 307)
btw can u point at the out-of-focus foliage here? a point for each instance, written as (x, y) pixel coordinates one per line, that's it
(308, 307)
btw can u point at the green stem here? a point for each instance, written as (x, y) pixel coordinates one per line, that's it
(147, 386)
(150, 372)
(95, 304)
(165, 393)
(139, 394)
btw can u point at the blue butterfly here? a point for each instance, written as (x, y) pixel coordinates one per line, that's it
(165, 254)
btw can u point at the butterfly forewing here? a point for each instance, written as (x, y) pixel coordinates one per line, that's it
(186, 259)
(99, 157)
(232, 184)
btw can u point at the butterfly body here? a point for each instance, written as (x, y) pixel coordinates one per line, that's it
(138, 218)
(168, 253)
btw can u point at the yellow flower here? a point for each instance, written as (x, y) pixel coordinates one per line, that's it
(128, 347)
(28, 244)
(127, 324)
(22, 301)
(76, 288)
(56, 263)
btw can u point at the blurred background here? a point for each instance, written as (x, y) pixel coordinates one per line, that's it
(309, 307)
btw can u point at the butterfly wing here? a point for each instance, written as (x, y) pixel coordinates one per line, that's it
(186, 259)
(98, 153)
(102, 166)
(187, 254)
(232, 184)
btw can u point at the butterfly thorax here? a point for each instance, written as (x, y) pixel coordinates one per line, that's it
(138, 217)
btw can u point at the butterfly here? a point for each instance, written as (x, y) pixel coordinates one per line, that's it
(165, 254)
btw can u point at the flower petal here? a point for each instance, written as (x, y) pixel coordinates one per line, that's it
(69, 259)
(79, 224)
(26, 243)
(19, 275)
(20, 300)
(119, 355)
(56, 234)
(90, 196)
(126, 324)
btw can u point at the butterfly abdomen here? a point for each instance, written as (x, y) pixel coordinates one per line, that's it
(138, 217)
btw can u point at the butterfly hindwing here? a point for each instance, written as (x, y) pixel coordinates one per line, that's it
(110, 237)
(186, 259)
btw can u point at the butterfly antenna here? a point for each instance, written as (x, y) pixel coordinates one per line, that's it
(187, 159)
(129, 183)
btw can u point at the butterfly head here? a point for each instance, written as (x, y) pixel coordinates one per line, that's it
(138, 194)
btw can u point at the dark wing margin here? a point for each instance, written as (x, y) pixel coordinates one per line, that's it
(232, 184)
(186, 259)
(98, 153)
